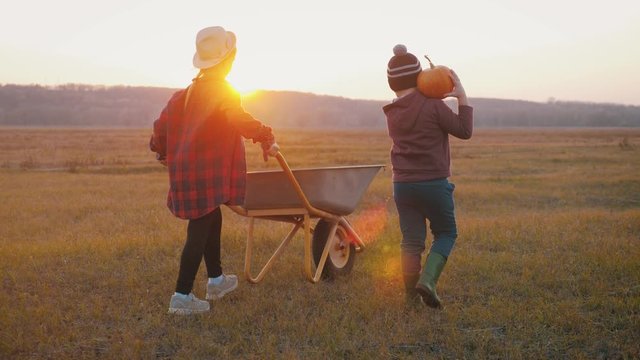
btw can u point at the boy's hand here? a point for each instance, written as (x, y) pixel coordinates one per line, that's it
(458, 90)
(457, 86)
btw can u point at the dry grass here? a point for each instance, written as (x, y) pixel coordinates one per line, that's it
(547, 264)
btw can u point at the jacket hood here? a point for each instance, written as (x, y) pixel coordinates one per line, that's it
(403, 112)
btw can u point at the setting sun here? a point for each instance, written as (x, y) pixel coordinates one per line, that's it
(242, 85)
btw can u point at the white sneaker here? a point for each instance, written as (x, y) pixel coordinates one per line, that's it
(228, 284)
(191, 305)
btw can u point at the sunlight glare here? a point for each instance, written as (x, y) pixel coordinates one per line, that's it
(371, 223)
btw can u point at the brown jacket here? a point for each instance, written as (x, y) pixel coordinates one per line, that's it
(420, 128)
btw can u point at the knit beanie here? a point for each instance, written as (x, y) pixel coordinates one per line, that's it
(403, 69)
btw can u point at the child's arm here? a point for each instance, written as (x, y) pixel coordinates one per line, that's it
(246, 124)
(158, 141)
(460, 125)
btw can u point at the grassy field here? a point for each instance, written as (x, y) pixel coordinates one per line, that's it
(547, 264)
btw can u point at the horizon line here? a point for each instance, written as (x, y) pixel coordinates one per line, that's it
(550, 100)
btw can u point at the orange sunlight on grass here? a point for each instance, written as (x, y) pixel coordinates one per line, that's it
(371, 223)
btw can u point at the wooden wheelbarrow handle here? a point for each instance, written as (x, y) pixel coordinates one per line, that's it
(313, 211)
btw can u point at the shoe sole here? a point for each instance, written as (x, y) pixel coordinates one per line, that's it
(428, 298)
(177, 311)
(223, 293)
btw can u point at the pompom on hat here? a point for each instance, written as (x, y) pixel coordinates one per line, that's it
(403, 69)
(213, 44)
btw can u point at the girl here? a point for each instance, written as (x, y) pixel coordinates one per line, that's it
(198, 136)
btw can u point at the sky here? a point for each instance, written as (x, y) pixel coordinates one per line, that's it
(567, 50)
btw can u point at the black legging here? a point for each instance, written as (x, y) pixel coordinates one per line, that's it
(203, 238)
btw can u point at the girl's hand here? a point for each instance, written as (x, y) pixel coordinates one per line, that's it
(162, 159)
(269, 150)
(273, 150)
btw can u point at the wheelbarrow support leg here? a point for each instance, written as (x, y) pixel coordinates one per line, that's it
(308, 258)
(276, 254)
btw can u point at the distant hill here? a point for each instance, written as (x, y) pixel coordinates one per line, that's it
(301, 110)
(124, 106)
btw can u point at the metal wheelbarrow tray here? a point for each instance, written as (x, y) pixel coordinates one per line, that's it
(297, 196)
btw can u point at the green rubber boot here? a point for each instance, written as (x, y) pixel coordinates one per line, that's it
(411, 296)
(426, 286)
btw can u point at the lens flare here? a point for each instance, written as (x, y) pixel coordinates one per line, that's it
(370, 223)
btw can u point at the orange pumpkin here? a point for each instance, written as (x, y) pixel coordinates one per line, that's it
(435, 82)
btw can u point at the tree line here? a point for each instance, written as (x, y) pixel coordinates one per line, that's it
(128, 106)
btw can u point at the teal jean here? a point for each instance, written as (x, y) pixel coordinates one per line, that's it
(417, 203)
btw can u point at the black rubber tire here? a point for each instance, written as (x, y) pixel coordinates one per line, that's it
(333, 267)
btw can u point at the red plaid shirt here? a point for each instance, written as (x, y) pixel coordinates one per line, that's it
(203, 147)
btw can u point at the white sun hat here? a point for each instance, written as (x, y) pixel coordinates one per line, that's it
(213, 44)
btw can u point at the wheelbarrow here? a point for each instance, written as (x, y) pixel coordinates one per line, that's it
(300, 196)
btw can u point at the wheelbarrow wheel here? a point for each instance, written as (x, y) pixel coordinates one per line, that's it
(342, 252)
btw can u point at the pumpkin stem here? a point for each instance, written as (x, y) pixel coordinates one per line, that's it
(430, 63)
